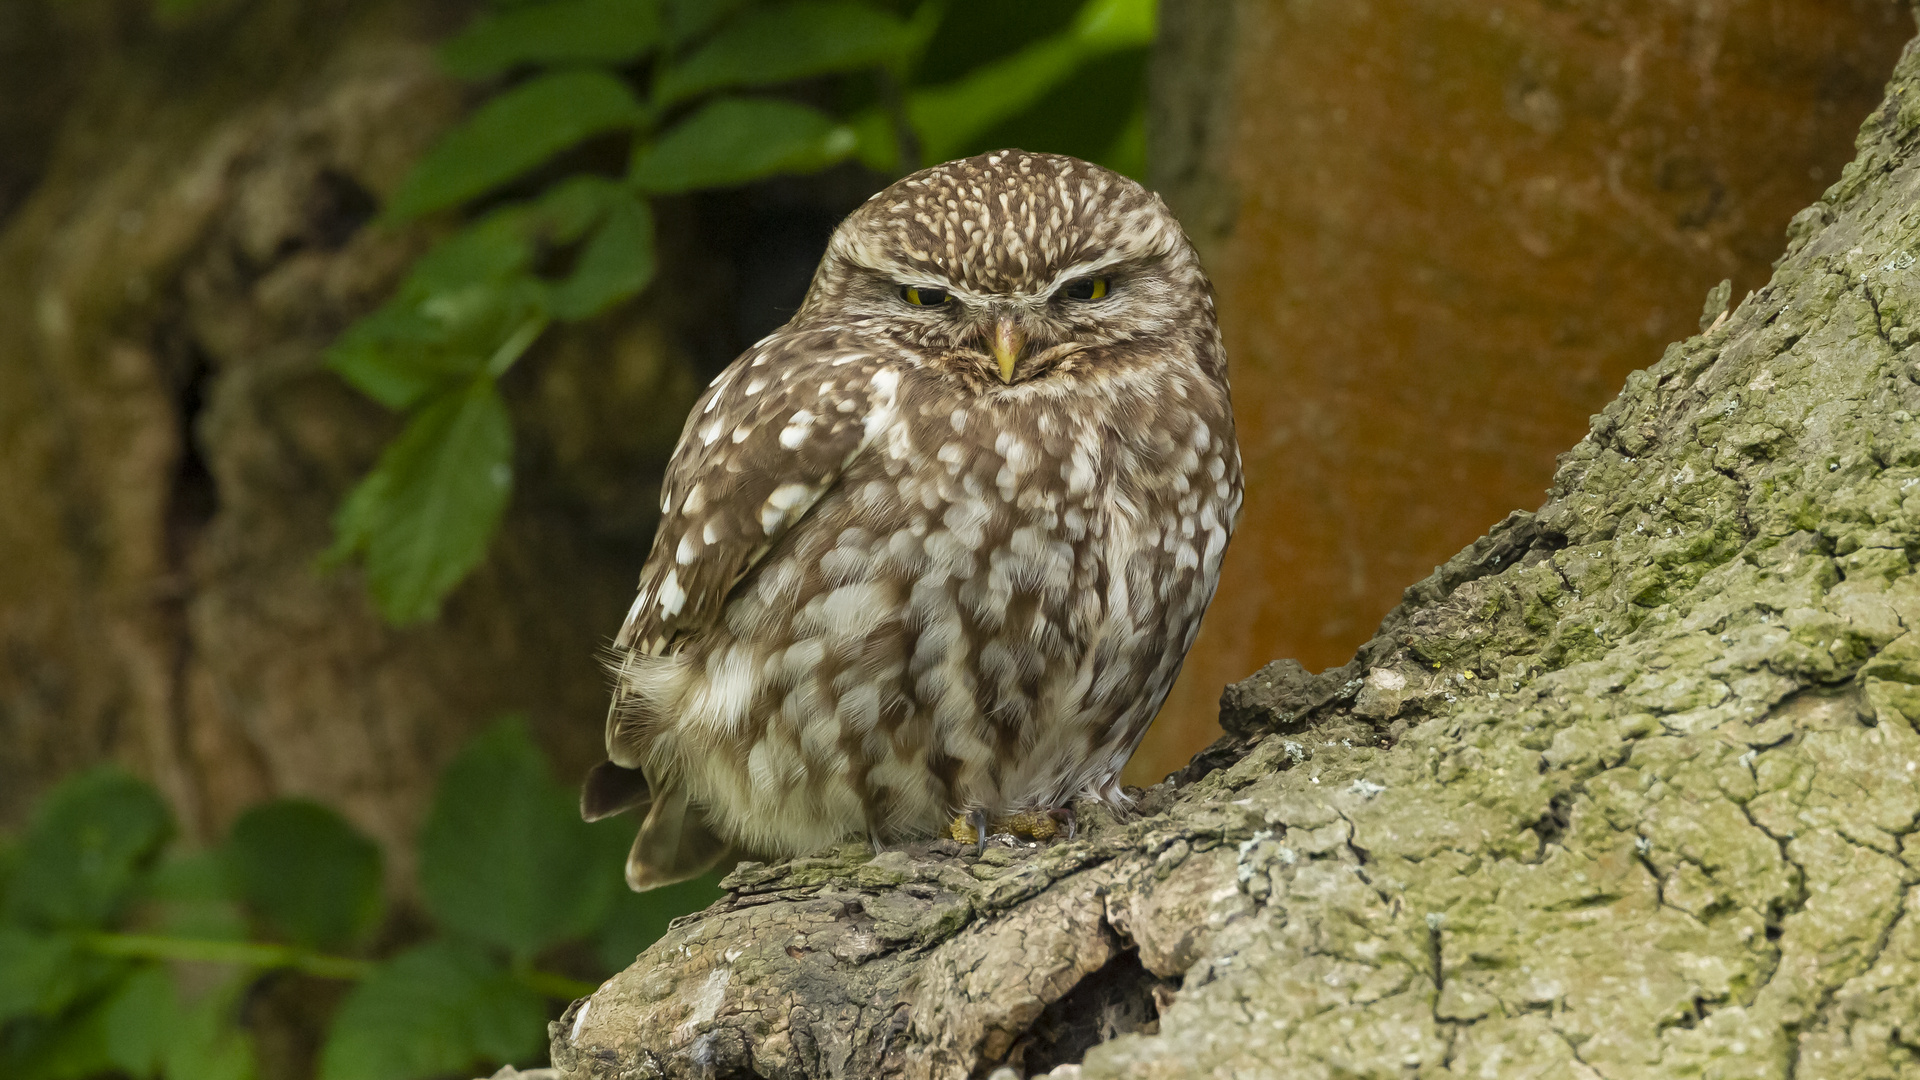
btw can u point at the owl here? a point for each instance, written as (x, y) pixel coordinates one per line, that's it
(938, 546)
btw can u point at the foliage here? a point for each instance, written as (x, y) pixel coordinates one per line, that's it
(698, 94)
(98, 912)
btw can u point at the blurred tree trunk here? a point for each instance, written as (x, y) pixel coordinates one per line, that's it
(1443, 232)
(1625, 789)
(184, 227)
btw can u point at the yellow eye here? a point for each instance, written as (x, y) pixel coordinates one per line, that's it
(1086, 288)
(923, 295)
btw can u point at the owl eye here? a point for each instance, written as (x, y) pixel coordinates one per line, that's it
(1086, 288)
(923, 295)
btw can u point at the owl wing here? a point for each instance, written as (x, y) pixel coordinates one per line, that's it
(768, 438)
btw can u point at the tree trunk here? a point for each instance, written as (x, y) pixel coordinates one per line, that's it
(1625, 789)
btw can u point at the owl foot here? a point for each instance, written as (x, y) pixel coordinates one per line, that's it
(973, 827)
(1067, 820)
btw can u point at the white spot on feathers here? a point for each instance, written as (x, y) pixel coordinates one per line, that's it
(797, 430)
(785, 498)
(672, 596)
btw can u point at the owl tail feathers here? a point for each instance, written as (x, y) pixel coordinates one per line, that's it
(611, 789)
(673, 846)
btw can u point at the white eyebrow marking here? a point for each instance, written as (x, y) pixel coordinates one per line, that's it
(1080, 270)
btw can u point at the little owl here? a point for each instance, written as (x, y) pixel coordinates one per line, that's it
(938, 545)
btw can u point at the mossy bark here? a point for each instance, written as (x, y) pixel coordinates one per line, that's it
(1629, 788)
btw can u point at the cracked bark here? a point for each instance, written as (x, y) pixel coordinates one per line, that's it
(1626, 789)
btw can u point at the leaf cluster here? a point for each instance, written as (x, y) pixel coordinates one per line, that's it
(108, 929)
(688, 95)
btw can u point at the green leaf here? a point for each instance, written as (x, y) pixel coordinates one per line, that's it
(305, 872)
(504, 856)
(1104, 25)
(188, 896)
(207, 1041)
(735, 140)
(71, 1048)
(435, 1010)
(616, 262)
(569, 208)
(425, 515)
(512, 133)
(949, 116)
(561, 31)
(399, 357)
(684, 20)
(1060, 123)
(361, 515)
(140, 1019)
(638, 919)
(458, 302)
(788, 41)
(92, 837)
(37, 972)
(148, 1028)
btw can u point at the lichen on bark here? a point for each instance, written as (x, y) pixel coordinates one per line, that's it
(1627, 789)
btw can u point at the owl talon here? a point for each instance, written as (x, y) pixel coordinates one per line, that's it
(978, 820)
(1067, 818)
(974, 826)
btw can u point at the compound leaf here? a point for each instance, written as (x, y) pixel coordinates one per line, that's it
(460, 300)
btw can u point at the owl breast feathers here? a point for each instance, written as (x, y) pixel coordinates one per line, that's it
(940, 543)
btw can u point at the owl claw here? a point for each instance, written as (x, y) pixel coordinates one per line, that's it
(978, 820)
(1067, 818)
(974, 826)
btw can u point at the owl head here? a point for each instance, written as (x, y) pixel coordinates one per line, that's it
(1012, 267)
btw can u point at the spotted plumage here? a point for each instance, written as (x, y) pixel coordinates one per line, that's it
(940, 543)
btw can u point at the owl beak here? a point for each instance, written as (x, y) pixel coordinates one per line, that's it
(1008, 343)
